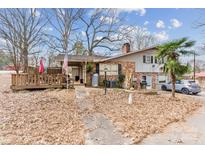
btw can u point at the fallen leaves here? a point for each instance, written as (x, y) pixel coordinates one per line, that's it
(149, 112)
(39, 117)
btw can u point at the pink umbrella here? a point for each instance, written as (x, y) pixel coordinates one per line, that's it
(41, 68)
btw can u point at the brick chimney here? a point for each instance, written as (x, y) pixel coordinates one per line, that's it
(126, 48)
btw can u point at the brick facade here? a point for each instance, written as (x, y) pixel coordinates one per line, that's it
(154, 80)
(128, 68)
(138, 76)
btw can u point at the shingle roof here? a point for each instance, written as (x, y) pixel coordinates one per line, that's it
(97, 58)
(80, 58)
(129, 53)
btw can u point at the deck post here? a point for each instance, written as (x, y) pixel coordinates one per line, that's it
(84, 73)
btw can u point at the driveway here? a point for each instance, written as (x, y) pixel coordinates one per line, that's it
(189, 131)
(100, 129)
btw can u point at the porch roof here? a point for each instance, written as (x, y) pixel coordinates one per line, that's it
(80, 58)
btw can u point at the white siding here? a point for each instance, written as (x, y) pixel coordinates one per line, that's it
(139, 65)
(145, 67)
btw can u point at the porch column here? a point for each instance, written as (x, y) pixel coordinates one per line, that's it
(138, 77)
(84, 73)
(154, 80)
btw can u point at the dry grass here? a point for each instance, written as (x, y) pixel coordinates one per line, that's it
(148, 114)
(39, 117)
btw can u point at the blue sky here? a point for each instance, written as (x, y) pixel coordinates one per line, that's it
(168, 17)
(164, 23)
(171, 24)
(168, 23)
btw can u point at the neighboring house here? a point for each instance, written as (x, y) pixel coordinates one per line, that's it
(135, 65)
(201, 78)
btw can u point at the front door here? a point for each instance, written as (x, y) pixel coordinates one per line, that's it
(149, 81)
(76, 73)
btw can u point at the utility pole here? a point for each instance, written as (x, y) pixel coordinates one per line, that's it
(194, 65)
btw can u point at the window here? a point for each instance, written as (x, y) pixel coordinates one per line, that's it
(152, 59)
(161, 79)
(161, 61)
(178, 82)
(148, 59)
(112, 69)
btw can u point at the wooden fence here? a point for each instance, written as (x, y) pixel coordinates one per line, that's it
(39, 81)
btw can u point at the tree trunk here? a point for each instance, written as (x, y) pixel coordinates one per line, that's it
(16, 68)
(173, 84)
(25, 61)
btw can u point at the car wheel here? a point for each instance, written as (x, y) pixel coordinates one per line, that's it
(194, 93)
(185, 91)
(164, 88)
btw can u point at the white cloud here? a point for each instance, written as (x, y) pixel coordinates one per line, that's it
(140, 11)
(48, 29)
(176, 23)
(108, 20)
(160, 24)
(2, 41)
(98, 37)
(83, 33)
(161, 36)
(146, 23)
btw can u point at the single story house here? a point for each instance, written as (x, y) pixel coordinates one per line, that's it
(141, 65)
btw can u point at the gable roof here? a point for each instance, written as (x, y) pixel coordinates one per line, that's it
(80, 58)
(129, 53)
(98, 58)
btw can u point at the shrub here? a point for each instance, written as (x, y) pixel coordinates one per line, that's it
(89, 67)
(120, 81)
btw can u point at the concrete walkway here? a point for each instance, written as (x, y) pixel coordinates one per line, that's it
(100, 129)
(191, 131)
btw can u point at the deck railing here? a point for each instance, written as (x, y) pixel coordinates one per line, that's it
(32, 81)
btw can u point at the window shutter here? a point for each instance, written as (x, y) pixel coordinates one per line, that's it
(97, 68)
(144, 59)
(151, 59)
(155, 60)
(119, 69)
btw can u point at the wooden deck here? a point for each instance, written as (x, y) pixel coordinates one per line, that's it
(39, 81)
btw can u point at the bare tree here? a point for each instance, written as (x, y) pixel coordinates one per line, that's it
(15, 55)
(64, 25)
(23, 30)
(102, 29)
(139, 38)
(5, 59)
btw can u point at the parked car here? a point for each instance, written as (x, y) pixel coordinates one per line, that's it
(183, 86)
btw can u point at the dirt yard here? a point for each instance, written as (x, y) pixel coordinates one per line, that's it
(147, 115)
(38, 117)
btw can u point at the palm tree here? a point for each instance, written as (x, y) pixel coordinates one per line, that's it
(171, 51)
